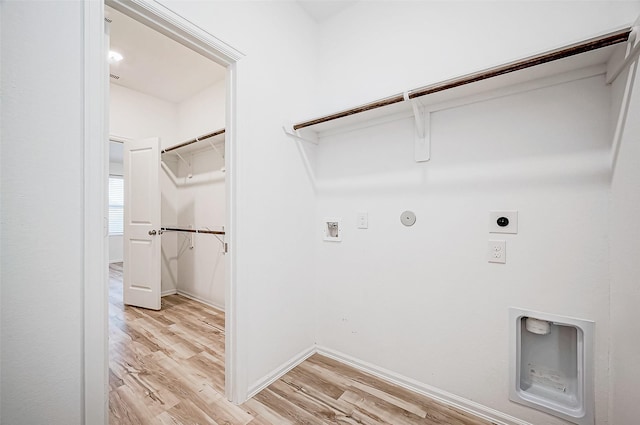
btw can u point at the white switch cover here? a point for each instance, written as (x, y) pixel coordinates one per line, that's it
(497, 252)
(503, 222)
(363, 220)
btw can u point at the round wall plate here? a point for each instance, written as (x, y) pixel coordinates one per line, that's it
(408, 218)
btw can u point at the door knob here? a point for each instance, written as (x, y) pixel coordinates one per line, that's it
(152, 232)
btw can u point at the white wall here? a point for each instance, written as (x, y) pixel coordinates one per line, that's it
(136, 115)
(378, 48)
(423, 301)
(42, 260)
(625, 268)
(275, 83)
(202, 113)
(201, 269)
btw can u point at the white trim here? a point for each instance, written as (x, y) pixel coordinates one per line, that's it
(280, 371)
(199, 299)
(494, 416)
(174, 26)
(477, 409)
(118, 139)
(168, 292)
(236, 347)
(95, 331)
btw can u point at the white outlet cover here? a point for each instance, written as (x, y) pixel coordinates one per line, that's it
(512, 227)
(363, 220)
(497, 252)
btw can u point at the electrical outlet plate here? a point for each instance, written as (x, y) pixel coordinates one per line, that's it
(332, 229)
(512, 227)
(497, 252)
(363, 220)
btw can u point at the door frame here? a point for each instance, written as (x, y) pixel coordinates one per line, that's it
(95, 345)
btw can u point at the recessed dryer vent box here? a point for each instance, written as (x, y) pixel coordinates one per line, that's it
(332, 229)
(551, 364)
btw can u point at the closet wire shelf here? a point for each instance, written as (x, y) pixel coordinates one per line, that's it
(205, 231)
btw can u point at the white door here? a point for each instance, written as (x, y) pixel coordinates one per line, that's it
(141, 275)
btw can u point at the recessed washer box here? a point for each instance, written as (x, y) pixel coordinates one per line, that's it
(332, 229)
(551, 364)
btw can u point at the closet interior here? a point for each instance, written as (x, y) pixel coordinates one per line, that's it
(194, 202)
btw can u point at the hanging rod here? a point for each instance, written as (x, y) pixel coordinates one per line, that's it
(196, 140)
(605, 40)
(206, 231)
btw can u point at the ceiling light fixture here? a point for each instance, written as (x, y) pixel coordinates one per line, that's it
(114, 57)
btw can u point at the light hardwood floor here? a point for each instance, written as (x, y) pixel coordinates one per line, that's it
(167, 367)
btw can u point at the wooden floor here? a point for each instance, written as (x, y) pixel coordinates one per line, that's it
(167, 367)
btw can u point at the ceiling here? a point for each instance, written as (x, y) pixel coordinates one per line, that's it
(159, 66)
(321, 10)
(155, 64)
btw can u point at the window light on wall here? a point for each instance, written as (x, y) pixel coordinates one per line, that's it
(116, 205)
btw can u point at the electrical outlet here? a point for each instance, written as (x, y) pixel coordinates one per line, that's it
(363, 220)
(497, 252)
(503, 222)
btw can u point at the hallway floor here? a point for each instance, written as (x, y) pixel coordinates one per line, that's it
(167, 367)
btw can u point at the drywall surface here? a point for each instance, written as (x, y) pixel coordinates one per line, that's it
(201, 205)
(135, 115)
(625, 268)
(376, 49)
(275, 205)
(423, 301)
(42, 262)
(202, 113)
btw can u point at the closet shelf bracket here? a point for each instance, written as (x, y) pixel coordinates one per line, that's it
(632, 54)
(295, 134)
(422, 136)
(215, 149)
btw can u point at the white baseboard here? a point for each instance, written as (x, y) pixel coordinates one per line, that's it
(272, 377)
(168, 292)
(477, 409)
(200, 300)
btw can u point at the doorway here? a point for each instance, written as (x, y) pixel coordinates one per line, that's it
(187, 34)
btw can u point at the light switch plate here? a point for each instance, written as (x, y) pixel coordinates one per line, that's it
(497, 252)
(511, 216)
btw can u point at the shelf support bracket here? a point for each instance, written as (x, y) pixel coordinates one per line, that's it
(289, 131)
(633, 50)
(215, 149)
(422, 137)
